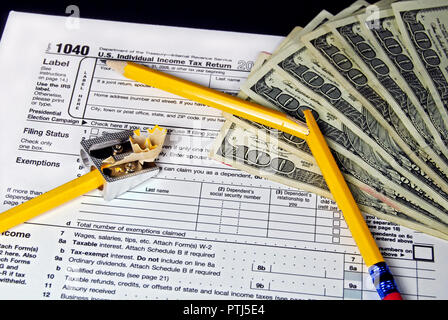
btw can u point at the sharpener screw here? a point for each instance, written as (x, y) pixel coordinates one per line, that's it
(118, 148)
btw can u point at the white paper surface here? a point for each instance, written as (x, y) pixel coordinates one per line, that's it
(200, 229)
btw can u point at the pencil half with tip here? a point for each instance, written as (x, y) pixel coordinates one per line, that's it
(115, 161)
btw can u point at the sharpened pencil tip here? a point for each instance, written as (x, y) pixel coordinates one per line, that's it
(116, 65)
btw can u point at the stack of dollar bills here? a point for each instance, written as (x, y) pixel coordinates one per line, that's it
(376, 76)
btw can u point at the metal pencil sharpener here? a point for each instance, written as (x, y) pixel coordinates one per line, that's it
(125, 159)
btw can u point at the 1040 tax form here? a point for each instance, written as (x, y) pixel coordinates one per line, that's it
(199, 229)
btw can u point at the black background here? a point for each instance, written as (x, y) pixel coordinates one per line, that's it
(276, 17)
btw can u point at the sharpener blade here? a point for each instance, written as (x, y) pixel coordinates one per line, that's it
(123, 177)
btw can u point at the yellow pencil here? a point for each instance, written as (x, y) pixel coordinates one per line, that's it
(310, 132)
(50, 200)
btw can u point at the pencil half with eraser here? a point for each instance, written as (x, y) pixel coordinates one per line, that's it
(309, 131)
